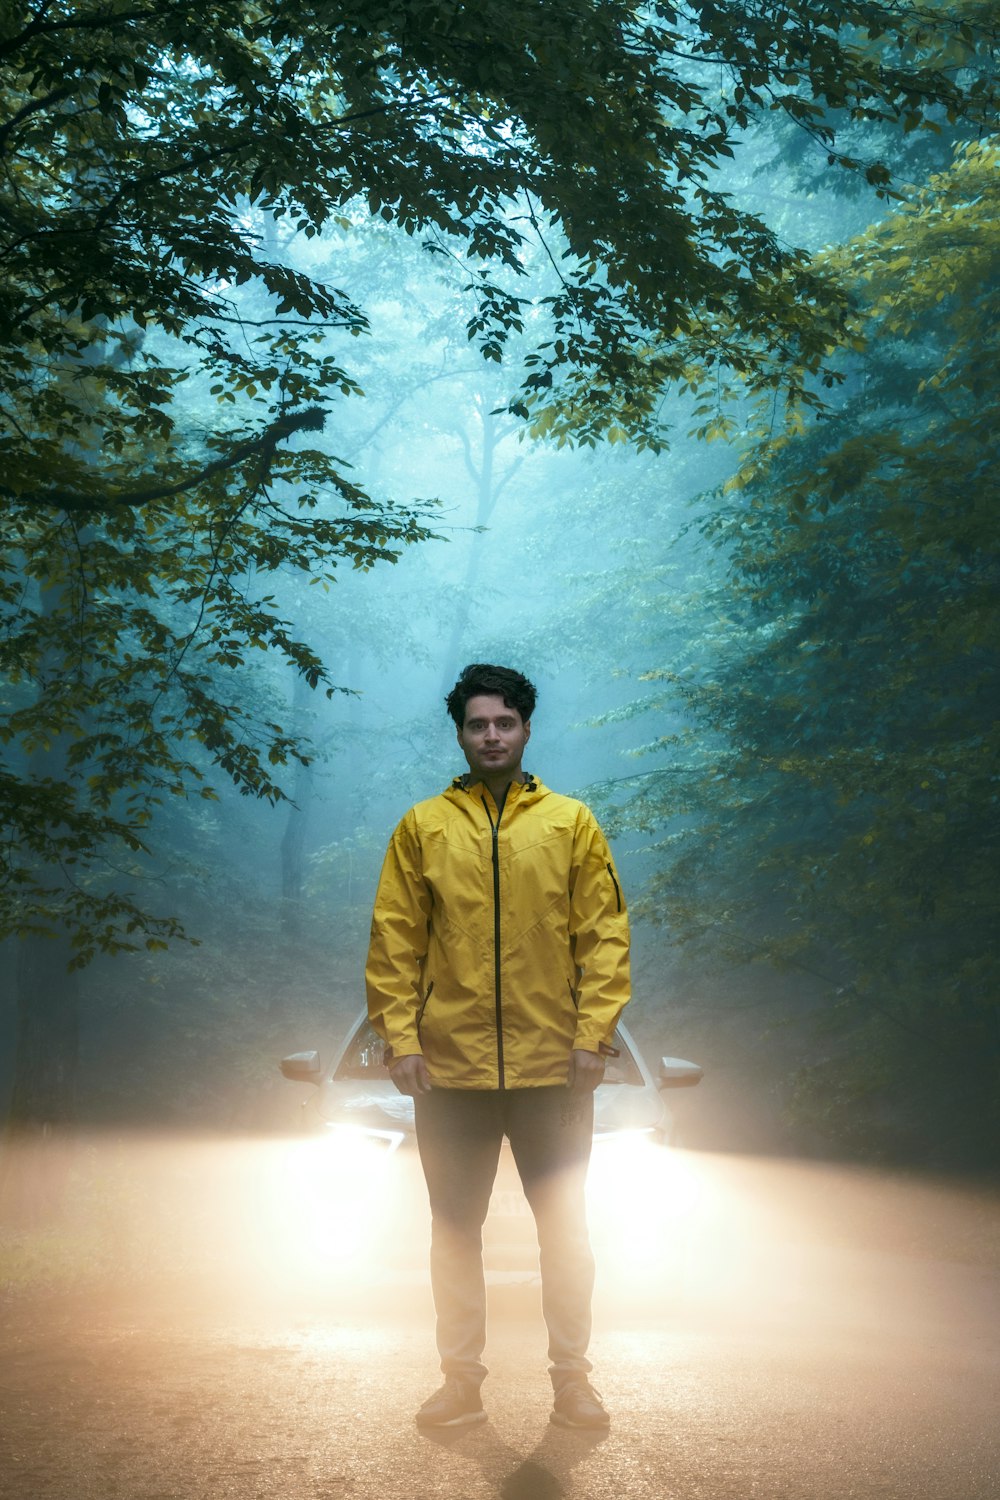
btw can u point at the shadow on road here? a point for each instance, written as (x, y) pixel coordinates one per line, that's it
(545, 1474)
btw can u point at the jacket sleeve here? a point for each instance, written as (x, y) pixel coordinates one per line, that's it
(599, 933)
(398, 946)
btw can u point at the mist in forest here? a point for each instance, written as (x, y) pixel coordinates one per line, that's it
(765, 663)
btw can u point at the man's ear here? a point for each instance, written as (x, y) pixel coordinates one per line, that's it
(527, 730)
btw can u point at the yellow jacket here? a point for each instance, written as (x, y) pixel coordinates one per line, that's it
(498, 944)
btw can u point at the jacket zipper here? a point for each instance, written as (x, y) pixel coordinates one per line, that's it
(495, 830)
(618, 894)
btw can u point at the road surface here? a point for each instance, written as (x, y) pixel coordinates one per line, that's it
(816, 1338)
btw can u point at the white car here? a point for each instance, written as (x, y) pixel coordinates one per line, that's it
(356, 1090)
(359, 1200)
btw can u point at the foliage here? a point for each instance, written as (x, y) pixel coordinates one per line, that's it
(117, 690)
(161, 362)
(832, 802)
(923, 147)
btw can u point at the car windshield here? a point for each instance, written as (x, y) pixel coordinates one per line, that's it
(363, 1057)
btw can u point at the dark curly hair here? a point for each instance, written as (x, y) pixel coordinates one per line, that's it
(515, 690)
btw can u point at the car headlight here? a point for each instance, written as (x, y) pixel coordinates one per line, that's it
(360, 1141)
(324, 1202)
(640, 1194)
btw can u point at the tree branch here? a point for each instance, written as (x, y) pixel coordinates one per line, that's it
(101, 22)
(263, 445)
(32, 107)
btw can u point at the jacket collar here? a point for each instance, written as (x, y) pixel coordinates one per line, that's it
(475, 787)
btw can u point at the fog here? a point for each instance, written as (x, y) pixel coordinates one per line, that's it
(731, 645)
(560, 562)
(269, 1229)
(652, 352)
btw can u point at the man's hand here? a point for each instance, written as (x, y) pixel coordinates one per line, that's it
(586, 1070)
(409, 1074)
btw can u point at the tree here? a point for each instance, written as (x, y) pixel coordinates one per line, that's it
(166, 370)
(144, 142)
(832, 800)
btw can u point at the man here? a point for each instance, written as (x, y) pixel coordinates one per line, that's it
(497, 970)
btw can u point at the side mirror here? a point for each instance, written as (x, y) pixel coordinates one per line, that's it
(675, 1073)
(302, 1067)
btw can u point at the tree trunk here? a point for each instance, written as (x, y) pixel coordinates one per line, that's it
(482, 474)
(293, 840)
(293, 847)
(38, 1141)
(44, 1094)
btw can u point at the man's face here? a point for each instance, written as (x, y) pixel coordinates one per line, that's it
(493, 738)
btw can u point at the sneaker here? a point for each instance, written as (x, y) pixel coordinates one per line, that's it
(577, 1404)
(455, 1404)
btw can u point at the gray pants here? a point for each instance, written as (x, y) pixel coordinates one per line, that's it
(459, 1134)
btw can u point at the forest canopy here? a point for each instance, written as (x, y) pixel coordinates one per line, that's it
(164, 373)
(200, 209)
(830, 806)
